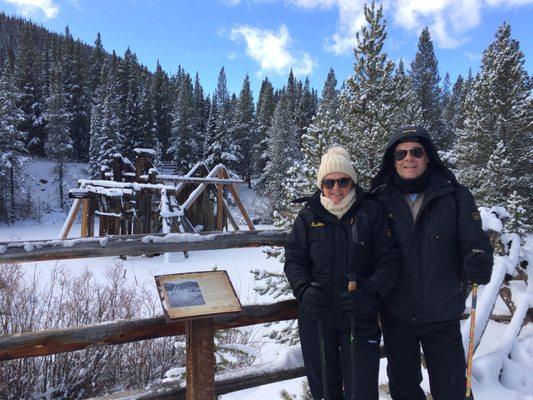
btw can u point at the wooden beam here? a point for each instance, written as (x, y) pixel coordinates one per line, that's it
(193, 179)
(220, 207)
(135, 245)
(200, 359)
(239, 203)
(125, 331)
(85, 218)
(70, 219)
(248, 378)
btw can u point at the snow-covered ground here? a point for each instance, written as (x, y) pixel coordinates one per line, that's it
(489, 360)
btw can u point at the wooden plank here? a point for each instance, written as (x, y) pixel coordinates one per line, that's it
(70, 219)
(200, 359)
(84, 218)
(37, 250)
(125, 331)
(220, 207)
(193, 179)
(239, 203)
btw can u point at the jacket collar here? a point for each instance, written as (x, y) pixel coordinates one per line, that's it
(316, 207)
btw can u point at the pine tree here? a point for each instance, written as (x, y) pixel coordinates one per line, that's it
(73, 76)
(30, 101)
(221, 147)
(409, 110)
(279, 154)
(12, 148)
(497, 178)
(161, 99)
(245, 133)
(425, 75)
(182, 144)
(266, 105)
(106, 139)
(59, 145)
(516, 206)
(499, 108)
(369, 99)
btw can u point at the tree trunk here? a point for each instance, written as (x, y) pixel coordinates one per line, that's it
(11, 213)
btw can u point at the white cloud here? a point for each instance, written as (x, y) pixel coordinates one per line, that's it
(32, 8)
(273, 50)
(448, 20)
(473, 56)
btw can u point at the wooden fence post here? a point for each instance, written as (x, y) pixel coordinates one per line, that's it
(200, 363)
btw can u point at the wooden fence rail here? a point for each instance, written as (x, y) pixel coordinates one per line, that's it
(42, 343)
(135, 245)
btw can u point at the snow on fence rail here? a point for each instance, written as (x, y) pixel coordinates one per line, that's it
(135, 245)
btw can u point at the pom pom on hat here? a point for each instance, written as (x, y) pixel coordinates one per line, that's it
(336, 159)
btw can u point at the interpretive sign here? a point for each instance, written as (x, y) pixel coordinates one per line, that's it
(197, 294)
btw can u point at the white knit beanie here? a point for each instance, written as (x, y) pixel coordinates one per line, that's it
(336, 159)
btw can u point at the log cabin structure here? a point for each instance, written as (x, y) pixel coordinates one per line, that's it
(134, 198)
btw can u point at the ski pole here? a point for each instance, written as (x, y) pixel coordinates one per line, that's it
(471, 343)
(352, 287)
(322, 347)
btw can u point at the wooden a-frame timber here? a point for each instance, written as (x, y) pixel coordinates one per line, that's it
(134, 198)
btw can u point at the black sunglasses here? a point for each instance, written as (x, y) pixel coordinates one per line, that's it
(342, 182)
(416, 152)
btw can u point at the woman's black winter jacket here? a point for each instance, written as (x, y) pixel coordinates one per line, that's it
(321, 248)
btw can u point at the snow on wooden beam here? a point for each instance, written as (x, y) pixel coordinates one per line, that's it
(194, 179)
(134, 245)
(125, 331)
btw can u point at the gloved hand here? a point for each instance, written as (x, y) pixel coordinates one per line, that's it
(478, 266)
(315, 300)
(360, 302)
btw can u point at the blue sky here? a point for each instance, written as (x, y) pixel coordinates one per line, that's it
(268, 37)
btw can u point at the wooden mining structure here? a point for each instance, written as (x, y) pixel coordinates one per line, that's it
(134, 198)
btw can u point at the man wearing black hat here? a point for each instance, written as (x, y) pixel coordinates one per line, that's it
(442, 245)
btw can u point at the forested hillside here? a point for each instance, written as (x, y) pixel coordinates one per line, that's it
(68, 101)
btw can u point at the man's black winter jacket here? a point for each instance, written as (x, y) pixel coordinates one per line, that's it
(324, 249)
(432, 247)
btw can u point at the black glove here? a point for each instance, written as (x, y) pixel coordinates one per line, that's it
(360, 302)
(315, 300)
(478, 266)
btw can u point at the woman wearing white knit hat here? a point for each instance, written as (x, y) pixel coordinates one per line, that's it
(339, 238)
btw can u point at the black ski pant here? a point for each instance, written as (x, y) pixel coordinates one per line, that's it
(338, 360)
(443, 353)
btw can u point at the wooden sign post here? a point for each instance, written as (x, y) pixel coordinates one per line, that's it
(195, 298)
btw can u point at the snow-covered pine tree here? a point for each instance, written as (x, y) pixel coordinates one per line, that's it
(516, 206)
(501, 110)
(30, 100)
(162, 106)
(96, 63)
(425, 75)
(58, 116)
(306, 109)
(369, 100)
(75, 86)
(147, 136)
(106, 139)
(12, 148)
(129, 92)
(265, 110)
(183, 146)
(409, 110)
(281, 144)
(497, 178)
(201, 113)
(244, 131)
(221, 147)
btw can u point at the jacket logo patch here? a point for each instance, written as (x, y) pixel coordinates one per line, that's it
(316, 224)
(476, 216)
